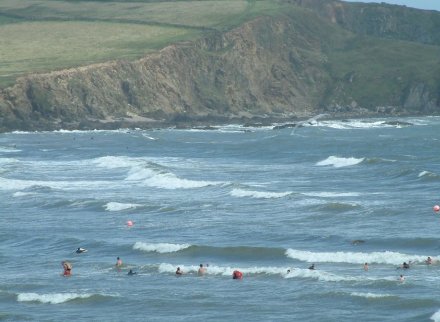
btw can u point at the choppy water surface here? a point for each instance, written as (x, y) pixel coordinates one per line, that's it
(336, 194)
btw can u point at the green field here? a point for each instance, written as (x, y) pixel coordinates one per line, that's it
(45, 35)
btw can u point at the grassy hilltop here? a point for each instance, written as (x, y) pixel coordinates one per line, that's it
(45, 35)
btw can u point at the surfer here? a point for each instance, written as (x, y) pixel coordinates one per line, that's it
(312, 267)
(178, 271)
(201, 271)
(80, 250)
(130, 272)
(67, 268)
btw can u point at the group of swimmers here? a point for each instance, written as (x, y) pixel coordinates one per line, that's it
(67, 267)
(236, 275)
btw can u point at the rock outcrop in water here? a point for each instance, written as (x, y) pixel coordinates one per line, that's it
(271, 68)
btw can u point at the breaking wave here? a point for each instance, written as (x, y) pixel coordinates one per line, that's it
(54, 298)
(116, 206)
(160, 247)
(387, 257)
(258, 194)
(338, 162)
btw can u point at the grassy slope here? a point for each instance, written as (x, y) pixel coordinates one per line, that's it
(44, 35)
(381, 70)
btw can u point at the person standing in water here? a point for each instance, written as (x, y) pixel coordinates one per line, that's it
(118, 262)
(179, 271)
(366, 267)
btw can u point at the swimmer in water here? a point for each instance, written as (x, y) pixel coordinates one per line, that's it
(237, 275)
(401, 278)
(201, 271)
(312, 267)
(80, 250)
(178, 271)
(130, 272)
(366, 267)
(428, 260)
(67, 268)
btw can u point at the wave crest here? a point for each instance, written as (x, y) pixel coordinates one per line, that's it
(160, 247)
(55, 298)
(258, 194)
(386, 257)
(338, 162)
(116, 206)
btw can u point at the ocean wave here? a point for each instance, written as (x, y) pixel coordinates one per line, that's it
(117, 206)
(54, 298)
(150, 174)
(362, 124)
(223, 270)
(262, 270)
(258, 194)
(330, 194)
(4, 149)
(436, 316)
(387, 257)
(371, 295)
(19, 194)
(428, 175)
(160, 247)
(338, 162)
(338, 206)
(18, 184)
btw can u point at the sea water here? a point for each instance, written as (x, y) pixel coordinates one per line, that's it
(335, 194)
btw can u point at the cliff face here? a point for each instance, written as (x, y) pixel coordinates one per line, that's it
(279, 67)
(253, 70)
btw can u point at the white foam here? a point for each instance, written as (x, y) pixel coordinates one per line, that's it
(370, 295)
(320, 275)
(338, 162)
(8, 150)
(329, 194)
(258, 194)
(19, 194)
(55, 298)
(269, 270)
(4, 161)
(111, 162)
(427, 174)
(222, 270)
(160, 247)
(142, 172)
(386, 257)
(436, 316)
(355, 124)
(17, 184)
(165, 180)
(116, 206)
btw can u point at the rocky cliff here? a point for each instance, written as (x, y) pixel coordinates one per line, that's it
(280, 67)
